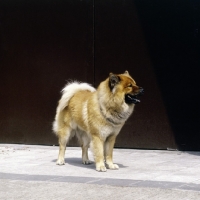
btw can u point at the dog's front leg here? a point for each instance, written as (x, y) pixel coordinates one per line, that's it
(108, 150)
(98, 151)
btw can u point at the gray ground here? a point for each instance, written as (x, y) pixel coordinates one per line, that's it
(30, 172)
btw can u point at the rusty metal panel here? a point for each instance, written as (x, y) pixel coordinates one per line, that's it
(43, 44)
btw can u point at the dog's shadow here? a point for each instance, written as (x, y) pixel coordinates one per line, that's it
(78, 163)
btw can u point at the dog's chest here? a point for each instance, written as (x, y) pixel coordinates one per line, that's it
(106, 131)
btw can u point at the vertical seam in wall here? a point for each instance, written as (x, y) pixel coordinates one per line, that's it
(94, 70)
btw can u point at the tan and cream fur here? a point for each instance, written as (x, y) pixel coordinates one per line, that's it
(95, 116)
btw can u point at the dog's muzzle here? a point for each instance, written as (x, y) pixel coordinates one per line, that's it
(129, 98)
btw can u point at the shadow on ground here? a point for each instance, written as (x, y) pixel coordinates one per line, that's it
(78, 163)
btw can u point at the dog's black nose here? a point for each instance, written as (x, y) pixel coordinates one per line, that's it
(141, 90)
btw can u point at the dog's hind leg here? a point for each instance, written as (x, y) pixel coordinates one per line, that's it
(85, 159)
(63, 137)
(84, 143)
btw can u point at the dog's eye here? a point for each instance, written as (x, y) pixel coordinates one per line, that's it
(130, 85)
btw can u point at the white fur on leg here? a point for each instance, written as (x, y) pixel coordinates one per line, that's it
(112, 166)
(60, 162)
(100, 167)
(87, 162)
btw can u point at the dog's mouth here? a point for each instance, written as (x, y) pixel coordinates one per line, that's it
(129, 99)
(133, 99)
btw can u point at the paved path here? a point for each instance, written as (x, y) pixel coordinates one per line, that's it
(30, 172)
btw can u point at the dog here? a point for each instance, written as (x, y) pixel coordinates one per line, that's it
(95, 116)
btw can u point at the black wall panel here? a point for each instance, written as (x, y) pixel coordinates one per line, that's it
(120, 45)
(43, 44)
(171, 29)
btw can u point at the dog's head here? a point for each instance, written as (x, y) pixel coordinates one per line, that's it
(125, 85)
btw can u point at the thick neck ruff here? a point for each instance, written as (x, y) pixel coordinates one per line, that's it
(109, 119)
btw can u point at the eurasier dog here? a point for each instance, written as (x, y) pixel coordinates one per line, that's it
(95, 116)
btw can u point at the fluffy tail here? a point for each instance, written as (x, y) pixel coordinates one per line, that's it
(67, 93)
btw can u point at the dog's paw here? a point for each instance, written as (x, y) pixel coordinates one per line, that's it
(101, 168)
(87, 162)
(60, 162)
(112, 166)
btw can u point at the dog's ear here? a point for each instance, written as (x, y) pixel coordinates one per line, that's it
(126, 72)
(113, 80)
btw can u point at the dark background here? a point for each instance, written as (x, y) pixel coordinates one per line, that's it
(46, 43)
(172, 32)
